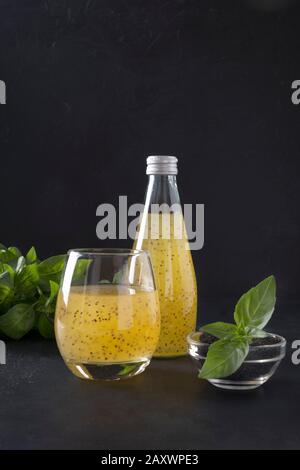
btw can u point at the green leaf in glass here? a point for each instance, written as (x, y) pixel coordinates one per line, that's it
(224, 358)
(220, 330)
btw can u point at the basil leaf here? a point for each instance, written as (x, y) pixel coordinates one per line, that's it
(51, 269)
(118, 277)
(31, 256)
(54, 287)
(220, 330)
(10, 255)
(5, 292)
(45, 309)
(255, 308)
(45, 326)
(256, 333)
(2, 247)
(7, 275)
(20, 264)
(14, 251)
(47, 304)
(52, 266)
(27, 279)
(127, 368)
(17, 321)
(6, 286)
(80, 271)
(224, 358)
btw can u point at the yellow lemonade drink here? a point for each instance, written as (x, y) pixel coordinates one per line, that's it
(106, 324)
(174, 274)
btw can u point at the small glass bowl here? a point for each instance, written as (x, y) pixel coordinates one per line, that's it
(259, 366)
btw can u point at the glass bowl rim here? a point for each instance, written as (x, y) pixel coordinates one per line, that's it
(282, 343)
(107, 251)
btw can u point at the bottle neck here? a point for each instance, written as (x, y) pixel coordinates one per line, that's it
(162, 189)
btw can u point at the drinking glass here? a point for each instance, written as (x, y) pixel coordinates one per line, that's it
(107, 319)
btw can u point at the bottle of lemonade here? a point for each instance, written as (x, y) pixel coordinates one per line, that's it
(162, 233)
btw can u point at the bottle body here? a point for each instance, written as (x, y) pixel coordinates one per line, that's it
(162, 233)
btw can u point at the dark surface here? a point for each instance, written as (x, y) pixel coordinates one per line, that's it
(43, 406)
(95, 86)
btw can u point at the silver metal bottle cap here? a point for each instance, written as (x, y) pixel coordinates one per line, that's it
(161, 165)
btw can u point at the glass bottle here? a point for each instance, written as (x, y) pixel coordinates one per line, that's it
(162, 233)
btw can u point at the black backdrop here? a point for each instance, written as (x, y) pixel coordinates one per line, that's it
(93, 87)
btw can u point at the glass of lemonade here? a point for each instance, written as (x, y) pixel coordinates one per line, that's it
(107, 319)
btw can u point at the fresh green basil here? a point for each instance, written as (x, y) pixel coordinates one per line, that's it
(220, 330)
(5, 290)
(27, 278)
(51, 268)
(7, 276)
(224, 358)
(45, 326)
(28, 292)
(31, 256)
(17, 321)
(10, 255)
(258, 333)
(21, 262)
(252, 313)
(118, 277)
(80, 271)
(54, 287)
(255, 308)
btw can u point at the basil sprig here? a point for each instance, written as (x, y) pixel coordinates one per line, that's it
(28, 292)
(252, 313)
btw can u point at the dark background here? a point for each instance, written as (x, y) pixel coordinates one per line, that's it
(93, 87)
